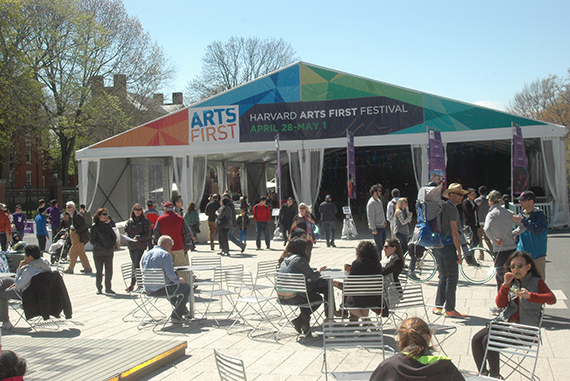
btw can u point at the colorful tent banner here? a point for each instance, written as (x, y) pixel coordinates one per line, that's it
(328, 119)
(351, 163)
(520, 163)
(437, 172)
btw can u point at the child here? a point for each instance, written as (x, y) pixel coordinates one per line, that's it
(242, 222)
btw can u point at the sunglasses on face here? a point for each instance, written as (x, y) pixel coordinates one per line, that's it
(386, 246)
(519, 266)
(104, 214)
(138, 209)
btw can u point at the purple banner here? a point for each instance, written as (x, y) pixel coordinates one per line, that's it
(278, 170)
(436, 155)
(327, 119)
(351, 167)
(520, 164)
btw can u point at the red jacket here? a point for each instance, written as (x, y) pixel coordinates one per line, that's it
(261, 213)
(171, 224)
(5, 223)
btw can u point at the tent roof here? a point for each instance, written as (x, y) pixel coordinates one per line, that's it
(376, 112)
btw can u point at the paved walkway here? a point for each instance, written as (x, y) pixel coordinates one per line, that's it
(98, 317)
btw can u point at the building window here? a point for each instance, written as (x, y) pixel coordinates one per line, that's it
(29, 179)
(28, 154)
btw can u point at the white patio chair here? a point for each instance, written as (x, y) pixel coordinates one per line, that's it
(516, 342)
(218, 292)
(229, 368)
(343, 334)
(363, 286)
(127, 271)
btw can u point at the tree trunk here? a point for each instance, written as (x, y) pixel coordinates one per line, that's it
(67, 145)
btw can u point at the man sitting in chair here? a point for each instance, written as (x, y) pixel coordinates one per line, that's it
(159, 258)
(32, 264)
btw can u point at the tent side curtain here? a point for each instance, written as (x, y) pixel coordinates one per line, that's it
(419, 160)
(306, 168)
(554, 156)
(190, 177)
(88, 180)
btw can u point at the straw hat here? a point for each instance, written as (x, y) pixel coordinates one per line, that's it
(454, 188)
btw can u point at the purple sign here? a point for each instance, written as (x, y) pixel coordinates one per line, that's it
(351, 167)
(436, 154)
(520, 164)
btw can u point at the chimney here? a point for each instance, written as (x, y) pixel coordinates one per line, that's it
(177, 99)
(120, 86)
(97, 85)
(158, 98)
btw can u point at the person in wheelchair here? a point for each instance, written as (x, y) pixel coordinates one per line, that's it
(32, 265)
(520, 297)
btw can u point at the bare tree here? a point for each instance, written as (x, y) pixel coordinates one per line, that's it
(229, 64)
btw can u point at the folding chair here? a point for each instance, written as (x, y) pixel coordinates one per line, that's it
(343, 334)
(229, 368)
(516, 342)
(296, 283)
(127, 271)
(208, 260)
(266, 273)
(217, 290)
(362, 286)
(38, 304)
(412, 296)
(242, 283)
(154, 278)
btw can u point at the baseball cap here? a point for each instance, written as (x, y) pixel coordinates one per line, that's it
(168, 206)
(328, 197)
(527, 195)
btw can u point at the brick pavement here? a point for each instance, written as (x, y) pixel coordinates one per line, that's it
(98, 317)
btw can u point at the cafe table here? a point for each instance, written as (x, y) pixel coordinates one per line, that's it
(331, 275)
(190, 269)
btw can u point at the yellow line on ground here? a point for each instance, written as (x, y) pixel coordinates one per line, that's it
(149, 362)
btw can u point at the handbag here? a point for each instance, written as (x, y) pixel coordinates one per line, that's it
(117, 245)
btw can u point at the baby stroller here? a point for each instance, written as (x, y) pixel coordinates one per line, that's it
(15, 239)
(60, 248)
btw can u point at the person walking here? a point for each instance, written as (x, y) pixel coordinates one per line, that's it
(328, 212)
(471, 216)
(5, 228)
(210, 210)
(262, 215)
(286, 214)
(152, 215)
(532, 231)
(137, 228)
(376, 217)
(174, 226)
(450, 254)
(78, 228)
(401, 226)
(19, 219)
(498, 227)
(54, 214)
(103, 239)
(41, 228)
(192, 218)
(224, 224)
(242, 222)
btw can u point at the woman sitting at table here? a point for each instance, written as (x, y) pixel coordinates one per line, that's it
(366, 263)
(415, 361)
(295, 261)
(521, 297)
(392, 265)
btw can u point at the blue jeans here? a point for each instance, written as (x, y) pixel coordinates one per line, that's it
(448, 276)
(329, 227)
(261, 226)
(379, 239)
(243, 235)
(232, 237)
(179, 304)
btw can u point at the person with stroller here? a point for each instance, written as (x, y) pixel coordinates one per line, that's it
(137, 228)
(103, 239)
(521, 298)
(19, 219)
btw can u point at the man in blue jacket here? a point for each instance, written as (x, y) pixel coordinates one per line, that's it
(532, 231)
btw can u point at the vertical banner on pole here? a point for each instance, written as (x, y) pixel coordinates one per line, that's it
(437, 173)
(278, 170)
(520, 164)
(351, 168)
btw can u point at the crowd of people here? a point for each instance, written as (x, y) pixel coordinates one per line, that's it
(162, 239)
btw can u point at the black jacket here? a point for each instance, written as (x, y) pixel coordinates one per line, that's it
(139, 229)
(46, 295)
(431, 368)
(103, 239)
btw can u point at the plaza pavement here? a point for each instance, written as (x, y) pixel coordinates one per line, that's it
(97, 322)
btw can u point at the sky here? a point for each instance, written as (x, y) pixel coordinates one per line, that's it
(481, 52)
